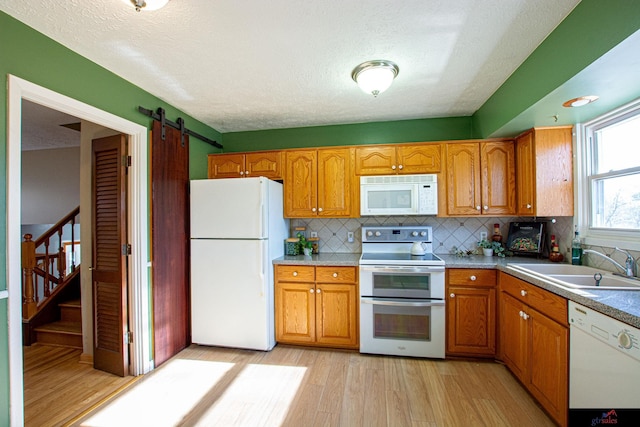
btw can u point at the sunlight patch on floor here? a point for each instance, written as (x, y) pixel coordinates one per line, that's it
(260, 396)
(164, 398)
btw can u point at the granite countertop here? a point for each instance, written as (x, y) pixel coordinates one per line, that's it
(621, 305)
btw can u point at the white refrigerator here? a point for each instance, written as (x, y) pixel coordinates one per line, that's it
(237, 229)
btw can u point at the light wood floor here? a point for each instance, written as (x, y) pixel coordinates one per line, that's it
(293, 386)
(57, 387)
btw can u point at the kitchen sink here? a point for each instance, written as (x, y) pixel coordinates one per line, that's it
(576, 276)
(547, 269)
(589, 282)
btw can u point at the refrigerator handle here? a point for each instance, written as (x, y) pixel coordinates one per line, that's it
(263, 279)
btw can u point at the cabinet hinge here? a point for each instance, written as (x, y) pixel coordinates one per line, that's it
(126, 249)
(126, 161)
(128, 337)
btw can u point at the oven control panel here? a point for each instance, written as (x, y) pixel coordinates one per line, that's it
(397, 234)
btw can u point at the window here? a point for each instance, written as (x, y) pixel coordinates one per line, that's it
(610, 192)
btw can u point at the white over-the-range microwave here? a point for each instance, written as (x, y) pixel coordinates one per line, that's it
(399, 195)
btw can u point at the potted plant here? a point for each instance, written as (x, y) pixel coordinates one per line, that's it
(489, 248)
(304, 244)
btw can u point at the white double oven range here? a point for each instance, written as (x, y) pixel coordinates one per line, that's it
(402, 309)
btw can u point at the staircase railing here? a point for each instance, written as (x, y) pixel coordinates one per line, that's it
(46, 264)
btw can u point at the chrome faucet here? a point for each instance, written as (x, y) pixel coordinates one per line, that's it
(629, 268)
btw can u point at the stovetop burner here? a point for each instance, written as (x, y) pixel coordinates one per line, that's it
(391, 245)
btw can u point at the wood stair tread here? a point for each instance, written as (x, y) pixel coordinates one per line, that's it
(73, 304)
(62, 327)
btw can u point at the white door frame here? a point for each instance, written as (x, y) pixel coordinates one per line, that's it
(138, 234)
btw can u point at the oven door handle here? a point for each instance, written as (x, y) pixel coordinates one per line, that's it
(401, 303)
(389, 269)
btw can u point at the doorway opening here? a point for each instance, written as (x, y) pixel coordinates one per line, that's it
(138, 234)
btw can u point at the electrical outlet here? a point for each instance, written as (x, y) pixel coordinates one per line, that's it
(313, 234)
(350, 236)
(483, 235)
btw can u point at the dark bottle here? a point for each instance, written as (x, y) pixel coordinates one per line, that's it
(576, 250)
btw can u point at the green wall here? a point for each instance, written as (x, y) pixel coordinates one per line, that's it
(593, 28)
(30, 55)
(351, 134)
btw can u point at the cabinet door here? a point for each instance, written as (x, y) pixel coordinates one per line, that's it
(498, 178)
(336, 315)
(267, 164)
(463, 179)
(549, 364)
(525, 175)
(414, 159)
(335, 183)
(513, 336)
(226, 165)
(375, 160)
(471, 321)
(295, 312)
(300, 184)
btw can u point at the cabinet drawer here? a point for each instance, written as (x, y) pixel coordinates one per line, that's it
(295, 273)
(471, 277)
(336, 274)
(546, 302)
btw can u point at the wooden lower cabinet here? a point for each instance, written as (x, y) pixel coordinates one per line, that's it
(471, 312)
(317, 305)
(534, 344)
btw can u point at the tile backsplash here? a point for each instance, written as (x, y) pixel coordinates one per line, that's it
(448, 233)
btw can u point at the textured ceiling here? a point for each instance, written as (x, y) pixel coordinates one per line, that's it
(252, 65)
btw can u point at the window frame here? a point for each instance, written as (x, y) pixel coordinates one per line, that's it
(585, 164)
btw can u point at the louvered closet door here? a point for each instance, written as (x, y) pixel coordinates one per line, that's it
(110, 353)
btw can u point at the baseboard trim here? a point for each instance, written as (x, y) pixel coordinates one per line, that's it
(87, 359)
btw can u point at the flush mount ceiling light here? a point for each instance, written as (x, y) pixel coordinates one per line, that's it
(375, 77)
(580, 101)
(147, 4)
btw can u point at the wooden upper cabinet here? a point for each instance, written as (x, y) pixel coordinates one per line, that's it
(463, 179)
(240, 165)
(319, 183)
(402, 159)
(226, 165)
(544, 172)
(300, 184)
(497, 160)
(480, 178)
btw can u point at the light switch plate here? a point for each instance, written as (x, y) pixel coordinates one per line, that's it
(350, 236)
(313, 234)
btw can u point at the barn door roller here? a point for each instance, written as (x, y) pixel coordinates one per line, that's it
(159, 115)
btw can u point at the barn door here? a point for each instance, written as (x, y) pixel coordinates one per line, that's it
(170, 242)
(109, 268)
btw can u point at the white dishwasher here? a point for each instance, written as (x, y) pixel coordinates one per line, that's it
(604, 369)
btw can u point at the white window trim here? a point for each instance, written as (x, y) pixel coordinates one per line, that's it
(597, 237)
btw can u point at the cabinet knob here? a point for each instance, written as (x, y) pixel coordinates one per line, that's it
(295, 273)
(452, 295)
(486, 208)
(400, 166)
(523, 292)
(241, 173)
(318, 291)
(393, 167)
(246, 172)
(478, 207)
(313, 209)
(311, 290)
(528, 206)
(473, 278)
(319, 209)
(335, 274)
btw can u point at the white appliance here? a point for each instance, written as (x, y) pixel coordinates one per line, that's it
(237, 229)
(604, 369)
(399, 195)
(402, 305)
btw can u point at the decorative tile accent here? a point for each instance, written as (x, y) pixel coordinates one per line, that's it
(462, 233)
